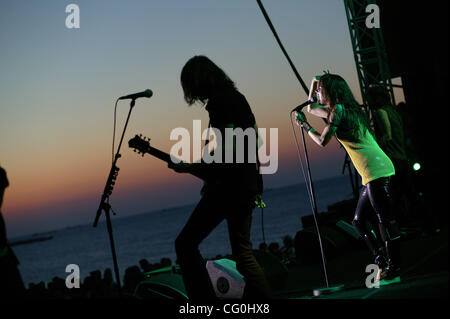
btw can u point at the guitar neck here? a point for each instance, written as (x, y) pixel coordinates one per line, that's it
(159, 154)
(166, 158)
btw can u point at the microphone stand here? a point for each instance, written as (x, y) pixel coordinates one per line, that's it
(313, 202)
(104, 202)
(312, 196)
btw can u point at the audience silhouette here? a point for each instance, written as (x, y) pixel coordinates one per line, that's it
(95, 286)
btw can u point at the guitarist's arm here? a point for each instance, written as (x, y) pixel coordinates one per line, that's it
(200, 167)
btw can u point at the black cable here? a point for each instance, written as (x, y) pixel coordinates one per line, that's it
(282, 47)
(301, 162)
(262, 225)
(312, 200)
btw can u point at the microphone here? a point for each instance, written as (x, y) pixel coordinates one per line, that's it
(147, 93)
(310, 101)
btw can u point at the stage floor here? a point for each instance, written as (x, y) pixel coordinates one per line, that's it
(424, 273)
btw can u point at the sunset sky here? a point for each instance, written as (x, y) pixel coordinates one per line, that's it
(58, 87)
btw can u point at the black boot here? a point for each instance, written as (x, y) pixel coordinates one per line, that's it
(392, 269)
(377, 253)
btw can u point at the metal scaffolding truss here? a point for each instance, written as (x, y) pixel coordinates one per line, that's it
(368, 48)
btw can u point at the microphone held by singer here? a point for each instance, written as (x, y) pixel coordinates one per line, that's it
(310, 101)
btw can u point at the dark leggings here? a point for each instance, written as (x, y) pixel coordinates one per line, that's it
(206, 216)
(375, 198)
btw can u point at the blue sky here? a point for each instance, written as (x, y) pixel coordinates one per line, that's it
(58, 87)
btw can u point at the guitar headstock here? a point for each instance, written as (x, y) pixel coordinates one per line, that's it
(141, 144)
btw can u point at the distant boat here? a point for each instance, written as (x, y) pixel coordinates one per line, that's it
(30, 240)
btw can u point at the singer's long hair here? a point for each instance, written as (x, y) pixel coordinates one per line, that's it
(354, 120)
(202, 79)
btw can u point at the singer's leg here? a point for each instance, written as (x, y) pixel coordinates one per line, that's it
(360, 221)
(380, 198)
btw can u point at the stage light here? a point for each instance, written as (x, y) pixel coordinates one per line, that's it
(416, 166)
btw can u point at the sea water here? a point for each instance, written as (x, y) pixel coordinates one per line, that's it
(151, 235)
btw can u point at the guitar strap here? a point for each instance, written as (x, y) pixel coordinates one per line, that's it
(207, 134)
(202, 191)
(258, 200)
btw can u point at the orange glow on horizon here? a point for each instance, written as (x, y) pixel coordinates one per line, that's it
(136, 172)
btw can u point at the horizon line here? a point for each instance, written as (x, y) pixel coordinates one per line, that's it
(169, 208)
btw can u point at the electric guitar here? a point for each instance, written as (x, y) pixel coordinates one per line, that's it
(141, 145)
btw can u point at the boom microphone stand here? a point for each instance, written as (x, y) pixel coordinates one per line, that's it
(104, 202)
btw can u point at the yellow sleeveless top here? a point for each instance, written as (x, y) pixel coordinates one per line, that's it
(368, 158)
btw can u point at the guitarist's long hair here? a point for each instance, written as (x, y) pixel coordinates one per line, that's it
(202, 79)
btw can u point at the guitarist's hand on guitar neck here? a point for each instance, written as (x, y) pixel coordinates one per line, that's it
(142, 146)
(181, 167)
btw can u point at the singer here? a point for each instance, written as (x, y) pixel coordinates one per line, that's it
(231, 189)
(347, 121)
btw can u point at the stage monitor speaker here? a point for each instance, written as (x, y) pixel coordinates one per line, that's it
(228, 283)
(166, 283)
(275, 271)
(334, 240)
(347, 228)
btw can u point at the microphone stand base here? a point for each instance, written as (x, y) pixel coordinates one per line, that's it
(328, 290)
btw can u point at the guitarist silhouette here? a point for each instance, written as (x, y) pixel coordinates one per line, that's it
(231, 188)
